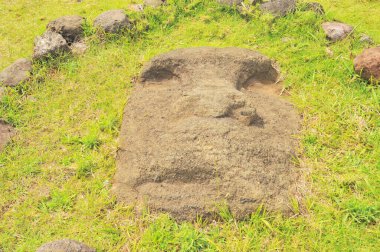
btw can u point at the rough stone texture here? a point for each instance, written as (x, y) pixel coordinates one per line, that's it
(113, 21)
(49, 44)
(367, 64)
(16, 73)
(154, 3)
(316, 7)
(279, 7)
(230, 2)
(70, 27)
(65, 246)
(204, 126)
(136, 7)
(6, 133)
(78, 48)
(336, 31)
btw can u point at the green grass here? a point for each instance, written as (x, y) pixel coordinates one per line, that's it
(56, 175)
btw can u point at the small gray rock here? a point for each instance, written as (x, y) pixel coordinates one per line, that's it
(78, 48)
(315, 7)
(230, 2)
(113, 21)
(49, 44)
(278, 8)
(16, 73)
(154, 3)
(70, 27)
(65, 245)
(336, 31)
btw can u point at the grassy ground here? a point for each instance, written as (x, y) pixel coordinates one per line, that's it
(55, 176)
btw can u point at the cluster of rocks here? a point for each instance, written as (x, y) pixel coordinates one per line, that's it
(275, 7)
(60, 35)
(366, 64)
(64, 34)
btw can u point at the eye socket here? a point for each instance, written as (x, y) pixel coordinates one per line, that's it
(157, 75)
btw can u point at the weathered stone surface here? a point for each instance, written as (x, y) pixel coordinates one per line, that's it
(336, 31)
(49, 44)
(136, 7)
(367, 64)
(113, 21)
(316, 7)
(230, 2)
(205, 126)
(16, 73)
(154, 3)
(279, 7)
(6, 133)
(78, 48)
(70, 27)
(65, 245)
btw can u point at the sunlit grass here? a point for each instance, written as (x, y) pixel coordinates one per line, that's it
(56, 175)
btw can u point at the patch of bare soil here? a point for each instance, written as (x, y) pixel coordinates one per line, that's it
(6, 133)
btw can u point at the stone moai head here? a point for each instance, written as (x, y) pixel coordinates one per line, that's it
(201, 129)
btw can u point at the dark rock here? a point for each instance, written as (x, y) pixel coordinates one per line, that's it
(367, 64)
(154, 3)
(279, 8)
(315, 7)
(16, 73)
(49, 44)
(113, 21)
(6, 133)
(70, 27)
(65, 246)
(206, 126)
(336, 31)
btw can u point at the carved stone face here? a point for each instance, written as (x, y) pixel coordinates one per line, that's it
(202, 128)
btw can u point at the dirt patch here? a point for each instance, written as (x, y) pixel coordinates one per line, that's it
(6, 133)
(197, 131)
